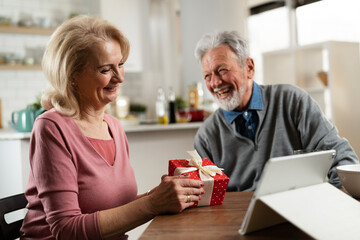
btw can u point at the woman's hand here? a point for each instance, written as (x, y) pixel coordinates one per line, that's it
(172, 195)
(175, 193)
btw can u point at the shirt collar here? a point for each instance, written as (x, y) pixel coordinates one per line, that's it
(256, 103)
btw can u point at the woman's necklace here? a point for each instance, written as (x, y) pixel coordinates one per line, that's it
(94, 130)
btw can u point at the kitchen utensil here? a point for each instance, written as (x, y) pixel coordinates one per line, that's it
(23, 120)
(350, 178)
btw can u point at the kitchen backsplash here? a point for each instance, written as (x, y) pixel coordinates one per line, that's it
(20, 88)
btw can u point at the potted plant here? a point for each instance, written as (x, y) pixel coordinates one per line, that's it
(182, 111)
(36, 106)
(138, 110)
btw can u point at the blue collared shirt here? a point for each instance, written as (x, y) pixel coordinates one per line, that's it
(247, 120)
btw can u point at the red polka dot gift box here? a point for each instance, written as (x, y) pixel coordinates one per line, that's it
(215, 181)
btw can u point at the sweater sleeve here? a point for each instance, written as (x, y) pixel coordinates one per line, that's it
(317, 132)
(200, 146)
(55, 176)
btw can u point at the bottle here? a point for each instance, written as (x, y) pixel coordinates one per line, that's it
(122, 106)
(200, 91)
(0, 115)
(161, 107)
(172, 106)
(193, 96)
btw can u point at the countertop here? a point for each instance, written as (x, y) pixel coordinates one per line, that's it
(11, 134)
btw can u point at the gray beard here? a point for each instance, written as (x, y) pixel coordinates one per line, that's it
(230, 103)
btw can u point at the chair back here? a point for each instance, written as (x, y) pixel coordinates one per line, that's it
(7, 205)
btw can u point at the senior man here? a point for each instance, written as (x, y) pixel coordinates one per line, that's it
(257, 122)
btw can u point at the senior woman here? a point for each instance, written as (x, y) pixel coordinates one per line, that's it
(81, 184)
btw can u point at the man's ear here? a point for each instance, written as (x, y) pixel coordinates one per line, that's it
(250, 68)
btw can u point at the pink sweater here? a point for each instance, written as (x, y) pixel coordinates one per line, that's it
(70, 182)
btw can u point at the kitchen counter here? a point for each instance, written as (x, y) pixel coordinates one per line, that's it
(11, 134)
(159, 127)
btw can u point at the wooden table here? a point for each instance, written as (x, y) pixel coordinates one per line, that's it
(216, 222)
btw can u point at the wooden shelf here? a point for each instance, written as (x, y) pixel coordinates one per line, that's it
(20, 67)
(23, 30)
(26, 30)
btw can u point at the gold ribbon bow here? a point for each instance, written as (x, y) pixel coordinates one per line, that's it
(205, 172)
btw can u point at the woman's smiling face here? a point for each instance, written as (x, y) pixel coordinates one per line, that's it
(226, 79)
(98, 83)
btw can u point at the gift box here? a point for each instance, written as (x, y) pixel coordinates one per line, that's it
(215, 181)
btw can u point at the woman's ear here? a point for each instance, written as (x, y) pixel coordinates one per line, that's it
(73, 81)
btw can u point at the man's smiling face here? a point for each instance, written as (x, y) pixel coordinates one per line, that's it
(226, 79)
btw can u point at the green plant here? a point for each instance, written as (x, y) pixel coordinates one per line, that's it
(36, 105)
(73, 14)
(181, 103)
(137, 108)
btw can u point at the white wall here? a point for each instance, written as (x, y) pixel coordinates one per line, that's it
(150, 26)
(204, 16)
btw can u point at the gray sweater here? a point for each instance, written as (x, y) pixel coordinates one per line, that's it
(290, 120)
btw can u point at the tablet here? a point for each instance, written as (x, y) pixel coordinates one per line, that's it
(294, 171)
(286, 173)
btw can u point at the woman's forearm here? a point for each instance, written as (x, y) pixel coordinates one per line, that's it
(173, 195)
(117, 221)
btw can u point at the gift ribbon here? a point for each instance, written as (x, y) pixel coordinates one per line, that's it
(206, 174)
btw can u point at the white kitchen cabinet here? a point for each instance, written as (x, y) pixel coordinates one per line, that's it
(338, 97)
(14, 170)
(14, 165)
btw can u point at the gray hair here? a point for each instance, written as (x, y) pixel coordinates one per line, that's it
(230, 38)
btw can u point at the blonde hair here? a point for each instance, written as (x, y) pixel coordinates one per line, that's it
(66, 54)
